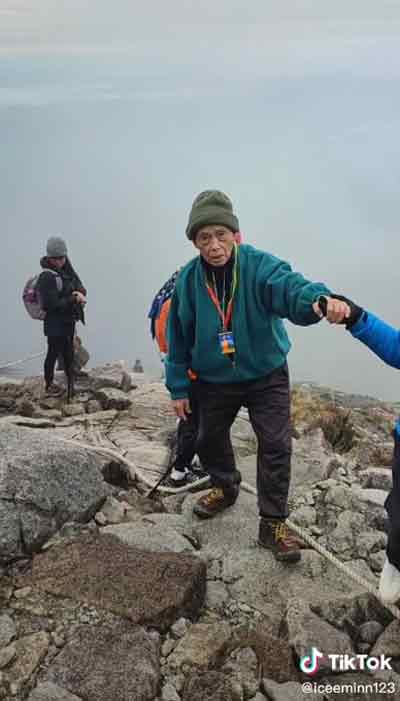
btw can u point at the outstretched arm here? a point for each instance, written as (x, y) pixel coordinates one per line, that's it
(290, 295)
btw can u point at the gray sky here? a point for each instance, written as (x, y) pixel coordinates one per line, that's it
(114, 116)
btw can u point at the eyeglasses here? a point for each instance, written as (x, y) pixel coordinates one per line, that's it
(205, 240)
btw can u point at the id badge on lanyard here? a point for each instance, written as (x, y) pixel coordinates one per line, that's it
(226, 342)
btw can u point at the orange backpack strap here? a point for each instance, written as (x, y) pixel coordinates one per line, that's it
(161, 327)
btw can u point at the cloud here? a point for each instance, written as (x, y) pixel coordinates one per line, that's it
(185, 30)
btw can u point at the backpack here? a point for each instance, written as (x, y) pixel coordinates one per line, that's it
(159, 311)
(31, 295)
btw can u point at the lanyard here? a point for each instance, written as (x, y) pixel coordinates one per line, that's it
(212, 291)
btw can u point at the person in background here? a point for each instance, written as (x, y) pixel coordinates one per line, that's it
(63, 298)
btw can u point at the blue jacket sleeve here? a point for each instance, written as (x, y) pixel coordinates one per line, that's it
(177, 362)
(380, 337)
(289, 295)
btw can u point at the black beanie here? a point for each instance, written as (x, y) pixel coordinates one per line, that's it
(211, 207)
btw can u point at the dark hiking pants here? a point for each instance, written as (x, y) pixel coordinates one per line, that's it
(187, 432)
(392, 505)
(268, 402)
(59, 346)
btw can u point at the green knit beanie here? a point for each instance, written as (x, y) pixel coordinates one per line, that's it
(211, 207)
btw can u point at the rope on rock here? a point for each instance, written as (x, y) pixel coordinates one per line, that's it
(132, 467)
(331, 558)
(14, 363)
(251, 490)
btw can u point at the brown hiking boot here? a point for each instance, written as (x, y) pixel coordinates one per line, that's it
(274, 535)
(215, 501)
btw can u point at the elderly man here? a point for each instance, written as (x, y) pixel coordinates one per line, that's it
(225, 325)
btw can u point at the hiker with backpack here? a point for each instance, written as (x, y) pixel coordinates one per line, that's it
(62, 299)
(225, 324)
(182, 469)
(384, 340)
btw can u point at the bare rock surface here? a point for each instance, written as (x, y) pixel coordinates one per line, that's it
(119, 662)
(43, 484)
(107, 594)
(148, 588)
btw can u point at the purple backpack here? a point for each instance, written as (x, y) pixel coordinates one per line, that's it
(31, 295)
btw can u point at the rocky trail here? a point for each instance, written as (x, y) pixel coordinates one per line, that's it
(107, 595)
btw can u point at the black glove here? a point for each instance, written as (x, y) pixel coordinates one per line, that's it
(355, 311)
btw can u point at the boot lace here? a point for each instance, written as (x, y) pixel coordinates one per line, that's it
(282, 533)
(214, 495)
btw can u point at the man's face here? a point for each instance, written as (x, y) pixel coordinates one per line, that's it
(215, 244)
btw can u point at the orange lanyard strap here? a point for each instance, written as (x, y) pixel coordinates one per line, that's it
(225, 318)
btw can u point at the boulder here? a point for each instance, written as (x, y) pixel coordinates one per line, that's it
(201, 647)
(376, 478)
(43, 484)
(148, 588)
(112, 375)
(112, 510)
(30, 651)
(307, 630)
(388, 642)
(117, 661)
(155, 533)
(111, 398)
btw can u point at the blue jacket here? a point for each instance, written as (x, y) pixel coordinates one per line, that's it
(268, 290)
(382, 339)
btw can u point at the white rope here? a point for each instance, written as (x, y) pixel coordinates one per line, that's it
(14, 363)
(323, 551)
(328, 556)
(135, 470)
(251, 490)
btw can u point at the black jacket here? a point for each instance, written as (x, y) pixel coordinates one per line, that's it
(62, 312)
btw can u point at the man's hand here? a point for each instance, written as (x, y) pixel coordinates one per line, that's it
(337, 310)
(181, 408)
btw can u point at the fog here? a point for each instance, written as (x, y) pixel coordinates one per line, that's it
(114, 116)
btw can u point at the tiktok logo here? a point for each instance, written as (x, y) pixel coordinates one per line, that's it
(309, 663)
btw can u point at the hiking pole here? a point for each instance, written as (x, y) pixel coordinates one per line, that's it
(172, 442)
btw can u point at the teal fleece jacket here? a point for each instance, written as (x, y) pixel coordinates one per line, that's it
(268, 290)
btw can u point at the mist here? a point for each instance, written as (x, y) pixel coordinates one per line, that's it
(113, 118)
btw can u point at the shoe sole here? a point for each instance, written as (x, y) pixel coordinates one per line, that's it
(291, 557)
